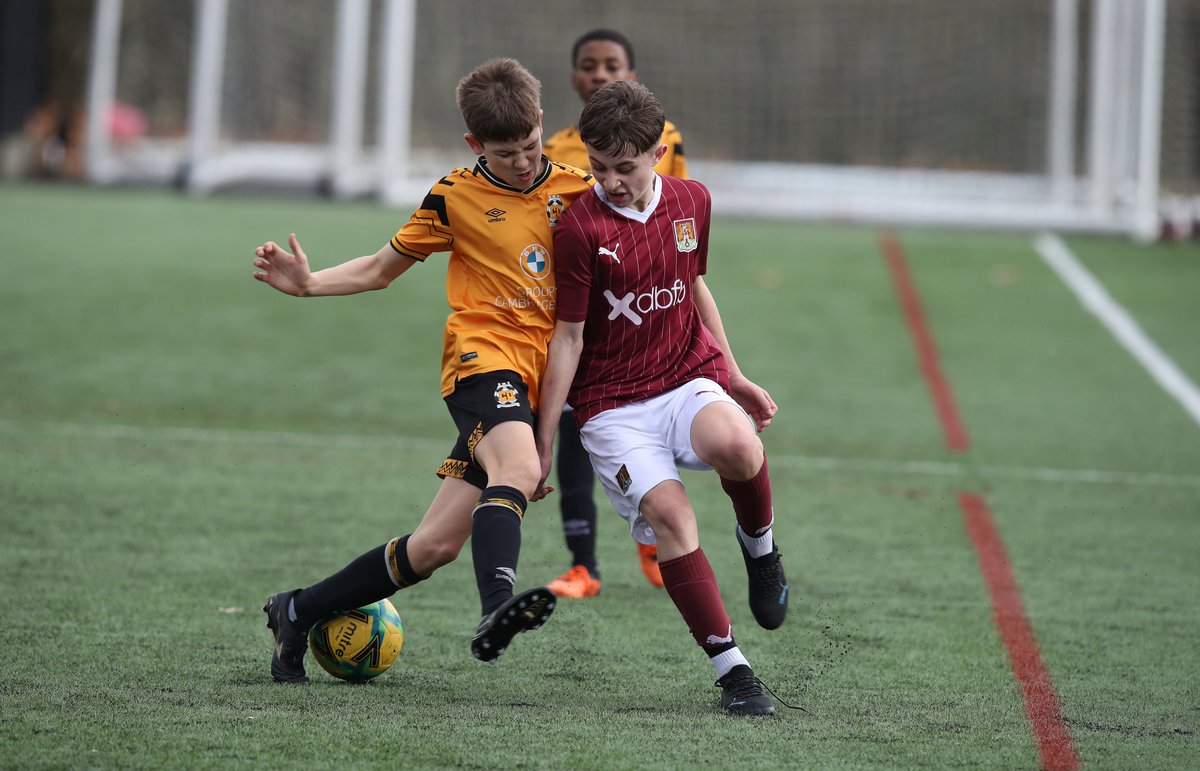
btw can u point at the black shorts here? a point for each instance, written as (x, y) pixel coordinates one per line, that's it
(478, 404)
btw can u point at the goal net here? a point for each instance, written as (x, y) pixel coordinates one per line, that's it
(1027, 113)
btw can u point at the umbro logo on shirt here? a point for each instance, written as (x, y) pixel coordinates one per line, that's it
(496, 215)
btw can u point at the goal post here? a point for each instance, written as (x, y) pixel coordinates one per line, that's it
(1034, 114)
(335, 159)
(228, 138)
(1116, 193)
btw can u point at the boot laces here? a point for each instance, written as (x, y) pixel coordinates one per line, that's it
(764, 575)
(742, 685)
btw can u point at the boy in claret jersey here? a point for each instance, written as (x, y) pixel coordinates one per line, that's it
(640, 353)
(599, 57)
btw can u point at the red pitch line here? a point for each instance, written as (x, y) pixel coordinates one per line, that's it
(939, 388)
(1042, 707)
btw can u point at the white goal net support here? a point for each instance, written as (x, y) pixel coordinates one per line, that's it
(249, 92)
(1024, 114)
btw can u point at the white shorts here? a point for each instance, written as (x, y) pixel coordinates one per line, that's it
(639, 445)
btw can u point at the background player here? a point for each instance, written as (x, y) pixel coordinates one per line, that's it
(494, 354)
(598, 58)
(631, 257)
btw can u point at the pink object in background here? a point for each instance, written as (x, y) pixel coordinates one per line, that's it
(126, 123)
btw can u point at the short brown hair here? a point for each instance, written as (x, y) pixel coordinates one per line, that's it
(500, 101)
(623, 118)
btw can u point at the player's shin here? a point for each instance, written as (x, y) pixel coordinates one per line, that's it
(496, 544)
(752, 506)
(372, 576)
(692, 586)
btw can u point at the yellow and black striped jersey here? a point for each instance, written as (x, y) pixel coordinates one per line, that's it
(500, 276)
(567, 147)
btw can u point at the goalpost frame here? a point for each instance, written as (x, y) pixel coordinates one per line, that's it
(1117, 191)
(102, 86)
(343, 167)
(204, 161)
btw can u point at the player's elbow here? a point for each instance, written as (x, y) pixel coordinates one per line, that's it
(384, 269)
(567, 340)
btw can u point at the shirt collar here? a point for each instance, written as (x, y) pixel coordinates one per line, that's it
(481, 167)
(629, 212)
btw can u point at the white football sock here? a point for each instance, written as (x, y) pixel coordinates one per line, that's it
(757, 547)
(727, 660)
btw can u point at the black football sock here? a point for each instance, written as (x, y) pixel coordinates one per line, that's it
(496, 544)
(365, 580)
(576, 480)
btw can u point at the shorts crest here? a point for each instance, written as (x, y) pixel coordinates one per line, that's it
(506, 395)
(623, 478)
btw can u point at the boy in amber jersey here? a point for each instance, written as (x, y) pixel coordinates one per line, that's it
(496, 219)
(598, 58)
(641, 354)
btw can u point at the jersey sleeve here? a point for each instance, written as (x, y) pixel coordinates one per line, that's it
(673, 139)
(572, 270)
(705, 212)
(428, 230)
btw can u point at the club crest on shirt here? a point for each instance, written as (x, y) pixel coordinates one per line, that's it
(623, 479)
(554, 209)
(685, 235)
(506, 395)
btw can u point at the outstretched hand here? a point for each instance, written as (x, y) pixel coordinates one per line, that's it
(757, 403)
(289, 273)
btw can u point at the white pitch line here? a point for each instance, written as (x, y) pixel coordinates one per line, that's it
(232, 436)
(1017, 473)
(1119, 322)
(97, 431)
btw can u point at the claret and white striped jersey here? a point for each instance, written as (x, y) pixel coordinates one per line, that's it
(629, 276)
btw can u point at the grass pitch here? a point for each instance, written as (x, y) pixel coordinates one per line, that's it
(178, 441)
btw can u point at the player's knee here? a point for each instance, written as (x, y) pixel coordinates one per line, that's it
(740, 458)
(523, 476)
(673, 529)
